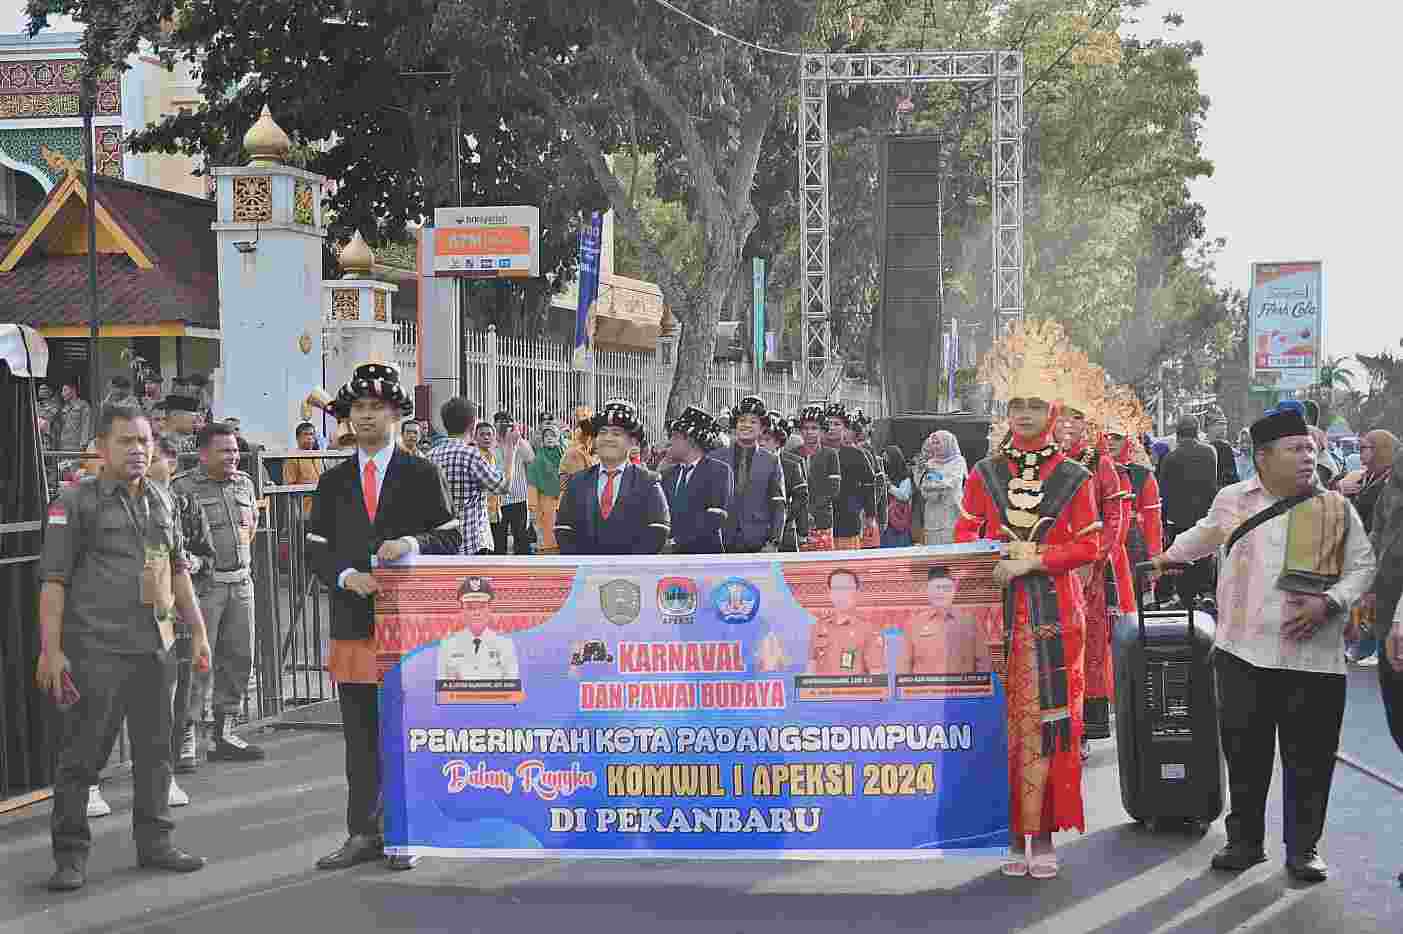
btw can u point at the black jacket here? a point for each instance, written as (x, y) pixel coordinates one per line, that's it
(1188, 481)
(639, 523)
(1227, 464)
(796, 484)
(757, 512)
(413, 502)
(701, 512)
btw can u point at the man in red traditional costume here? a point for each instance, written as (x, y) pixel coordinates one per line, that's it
(1039, 501)
(1081, 446)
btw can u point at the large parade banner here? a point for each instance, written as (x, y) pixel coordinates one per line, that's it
(827, 705)
(1286, 318)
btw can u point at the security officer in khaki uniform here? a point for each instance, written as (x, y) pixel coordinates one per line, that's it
(225, 589)
(114, 573)
(181, 409)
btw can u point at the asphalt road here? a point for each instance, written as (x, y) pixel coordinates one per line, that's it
(263, 825)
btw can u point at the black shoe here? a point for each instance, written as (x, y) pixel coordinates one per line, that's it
(357, 849)
(171, 860)
(1307, 866)
(66, 879)
(401, 863)
(1236, 857)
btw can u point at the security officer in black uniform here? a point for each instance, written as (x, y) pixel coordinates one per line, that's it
(228, 498)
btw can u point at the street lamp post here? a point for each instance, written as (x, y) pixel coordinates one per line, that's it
(89, 101)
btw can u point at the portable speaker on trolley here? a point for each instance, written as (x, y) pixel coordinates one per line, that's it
(1166, 716)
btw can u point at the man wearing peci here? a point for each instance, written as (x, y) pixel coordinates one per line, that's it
(759, 503)
(698, 488)
(614, 507)
(382, 504)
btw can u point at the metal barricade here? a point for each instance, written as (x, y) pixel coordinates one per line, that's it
(291, 605)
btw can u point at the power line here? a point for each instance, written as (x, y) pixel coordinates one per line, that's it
(718, 31)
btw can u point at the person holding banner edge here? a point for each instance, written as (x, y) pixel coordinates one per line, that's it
(1031, 496)
(382, 504)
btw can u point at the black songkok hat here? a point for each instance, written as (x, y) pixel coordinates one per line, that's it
(619, 413)
(813, 412)
(182, 403)
(373, 381)
(751, 405)
(502, 418)
(1276, 424)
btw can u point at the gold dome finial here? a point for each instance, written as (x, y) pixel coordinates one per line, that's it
(265, 141)
(356, 259)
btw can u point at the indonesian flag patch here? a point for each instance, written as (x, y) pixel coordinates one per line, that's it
(58, 515)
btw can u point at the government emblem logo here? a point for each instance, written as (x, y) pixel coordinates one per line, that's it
(737, 600)
(677, 599)
(621, 601)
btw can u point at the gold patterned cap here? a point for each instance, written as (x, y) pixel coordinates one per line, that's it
(265, 141)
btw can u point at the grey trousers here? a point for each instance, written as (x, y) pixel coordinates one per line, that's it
(228, 612)
(110, 687)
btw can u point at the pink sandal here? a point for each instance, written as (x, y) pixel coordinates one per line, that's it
(1043, 866)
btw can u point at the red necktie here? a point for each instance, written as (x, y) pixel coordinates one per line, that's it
(370, 488)
(606, 502)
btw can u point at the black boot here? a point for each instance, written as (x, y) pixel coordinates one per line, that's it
(228, 747)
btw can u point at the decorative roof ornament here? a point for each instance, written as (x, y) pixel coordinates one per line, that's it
(356, 258)
(266, 142)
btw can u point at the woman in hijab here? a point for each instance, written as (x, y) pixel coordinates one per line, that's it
(943, 473)
(897, 534)
(543, 486)
(1376, 451)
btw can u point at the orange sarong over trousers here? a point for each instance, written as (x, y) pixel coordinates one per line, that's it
(1044, 728)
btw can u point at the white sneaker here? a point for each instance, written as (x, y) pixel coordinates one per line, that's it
(177, 798)
(97, 804)
(1371, 662)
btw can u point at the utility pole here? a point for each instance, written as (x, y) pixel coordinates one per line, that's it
(89, 101)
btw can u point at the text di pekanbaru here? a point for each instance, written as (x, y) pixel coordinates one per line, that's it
(685, 740)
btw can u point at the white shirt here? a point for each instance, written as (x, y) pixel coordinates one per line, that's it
(604, 479)
(493, 657)
(381, 459)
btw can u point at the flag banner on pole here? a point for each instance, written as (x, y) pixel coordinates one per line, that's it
(591, 238)
(814, 706)
(758, 275)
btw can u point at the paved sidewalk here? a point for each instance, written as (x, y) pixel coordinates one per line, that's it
(264, 824)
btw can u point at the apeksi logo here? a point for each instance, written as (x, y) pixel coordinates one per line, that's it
(677, 599)
(737, 600)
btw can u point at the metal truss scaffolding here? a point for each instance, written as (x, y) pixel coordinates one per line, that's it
(818, 73)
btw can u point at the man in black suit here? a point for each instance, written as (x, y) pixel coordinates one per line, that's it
(796, 482)
(382, 504)
(759, 505)
(1188, 482)
(614, 507)
(698, 488)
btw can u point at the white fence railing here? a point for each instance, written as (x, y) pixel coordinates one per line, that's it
(526, 376)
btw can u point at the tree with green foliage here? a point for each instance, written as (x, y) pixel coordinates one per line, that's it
(352, 85)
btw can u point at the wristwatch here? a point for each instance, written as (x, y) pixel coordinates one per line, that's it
(1333, 607)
